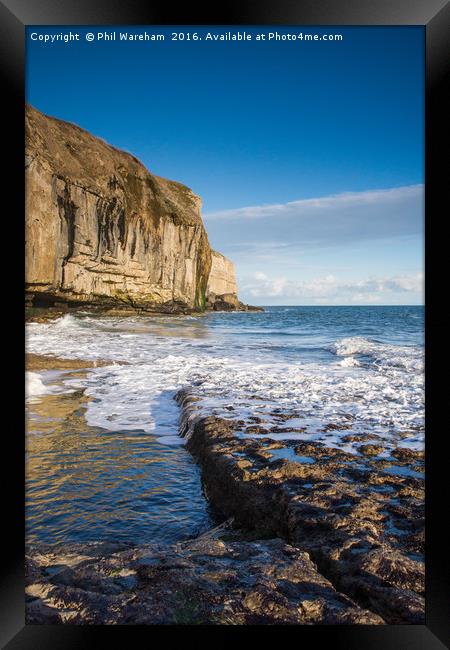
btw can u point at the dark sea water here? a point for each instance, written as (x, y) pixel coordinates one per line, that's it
(104, 458)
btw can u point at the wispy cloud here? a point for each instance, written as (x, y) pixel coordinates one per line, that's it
(329, 290)
(329, 220)
(333, 201)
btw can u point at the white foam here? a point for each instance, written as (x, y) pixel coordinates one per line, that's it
(65, 322)
(34, 385)
(381, 392)
(349, 362)
(383, 355)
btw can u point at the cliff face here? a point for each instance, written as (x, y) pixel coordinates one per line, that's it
(222, 277)
(222, 289)
(101, 229)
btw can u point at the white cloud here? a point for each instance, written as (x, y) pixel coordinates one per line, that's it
(324, 221)
(304, 207)
(329, 290)
(278, 248)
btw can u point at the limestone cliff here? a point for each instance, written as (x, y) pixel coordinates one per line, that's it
(222, 289)
(101, 229)
(222, 277)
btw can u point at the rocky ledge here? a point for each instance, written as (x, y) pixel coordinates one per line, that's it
(228, 302)
(359, 518)
(216, 579)
(311, 535)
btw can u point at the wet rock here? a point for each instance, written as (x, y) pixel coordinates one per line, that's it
(318, 536)
(204, 581)
(359, 524)
(284, 417)
(42, 362)
(277, 429)
(408, 455)
(370, 450)
(336, 427)
(357, 437)
(256, 429)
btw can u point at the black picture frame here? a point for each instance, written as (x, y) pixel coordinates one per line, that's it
(434, 16)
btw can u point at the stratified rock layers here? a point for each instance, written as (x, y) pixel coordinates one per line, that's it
(222, 278)
(101, 229)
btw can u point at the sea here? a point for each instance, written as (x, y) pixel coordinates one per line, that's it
(105, 460)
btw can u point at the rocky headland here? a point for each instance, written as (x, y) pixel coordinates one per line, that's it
(103, 232)
(222, 288)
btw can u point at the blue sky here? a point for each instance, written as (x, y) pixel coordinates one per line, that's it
(309, 156)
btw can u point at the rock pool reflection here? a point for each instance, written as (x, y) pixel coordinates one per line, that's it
(86, 483)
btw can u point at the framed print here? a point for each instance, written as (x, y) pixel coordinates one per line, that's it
(230, 226)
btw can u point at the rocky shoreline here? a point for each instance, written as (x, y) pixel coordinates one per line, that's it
(214, 304)
(217, 579)
(38, 362)
(359, 518)
(312, 535)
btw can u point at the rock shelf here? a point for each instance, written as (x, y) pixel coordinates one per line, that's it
(311, 535)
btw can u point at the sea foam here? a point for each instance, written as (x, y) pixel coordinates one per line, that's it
(34, 385)
(365, 386)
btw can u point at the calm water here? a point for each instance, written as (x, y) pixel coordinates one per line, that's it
(104, 459)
